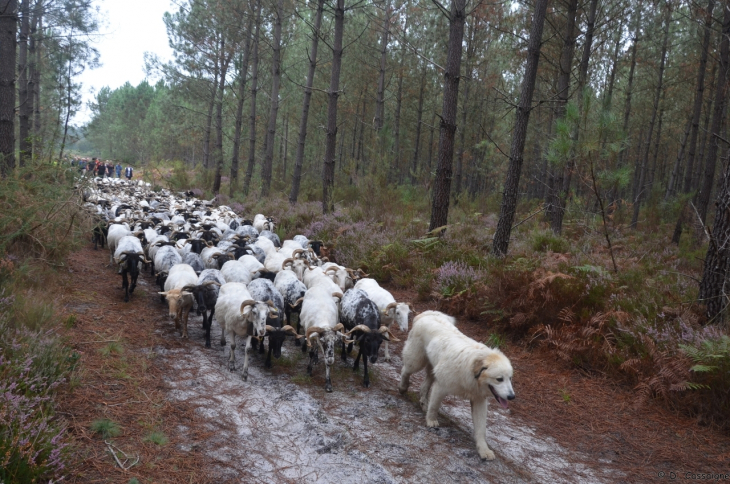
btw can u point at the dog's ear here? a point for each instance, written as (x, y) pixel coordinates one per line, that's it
(478, 367)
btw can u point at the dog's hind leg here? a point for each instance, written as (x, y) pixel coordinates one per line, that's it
(438, 393)
(479, 418)
(426, 387)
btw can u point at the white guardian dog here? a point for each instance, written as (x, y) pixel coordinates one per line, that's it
(455, 365)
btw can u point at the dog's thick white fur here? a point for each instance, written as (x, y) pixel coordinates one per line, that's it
(455, 365)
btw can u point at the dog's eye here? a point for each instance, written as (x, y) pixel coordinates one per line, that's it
(500, 379)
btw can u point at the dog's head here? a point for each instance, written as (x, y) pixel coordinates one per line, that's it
(495, 371)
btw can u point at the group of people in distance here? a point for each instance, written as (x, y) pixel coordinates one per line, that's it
(99, 168)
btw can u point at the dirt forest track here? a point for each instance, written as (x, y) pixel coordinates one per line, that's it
(281, 426)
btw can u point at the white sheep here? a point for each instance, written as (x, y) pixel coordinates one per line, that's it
(235, 271)
(179, 300)
(115, 233)
(390, 309)
(320, 319)
(239, 314)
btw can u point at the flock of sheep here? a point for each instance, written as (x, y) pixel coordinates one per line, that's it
(211, 260)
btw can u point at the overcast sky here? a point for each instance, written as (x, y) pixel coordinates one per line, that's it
(129, 29)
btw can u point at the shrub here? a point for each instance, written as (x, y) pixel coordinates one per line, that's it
(456, 277)
(157, 438)
(544, 241)
(106, 428)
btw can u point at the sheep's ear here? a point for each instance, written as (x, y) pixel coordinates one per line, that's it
(186, 293)
(162, 293)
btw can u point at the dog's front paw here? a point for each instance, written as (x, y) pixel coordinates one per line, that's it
(486, 453)
(435, 423)
(402, 390)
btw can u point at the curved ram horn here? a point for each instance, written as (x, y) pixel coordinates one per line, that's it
(296, 303)
(338, 327)
(189, 287)
(270, 303)
(330, 269)
(324, 259)
(389, 307)
(270, 328)
(297, 252)
(311, 332)
(290, 329)
(286, 261)
(211, 283)
(337, 294)
(247, 302)
(360, 327)
(410, 306)
(209, 244)
(392, 338)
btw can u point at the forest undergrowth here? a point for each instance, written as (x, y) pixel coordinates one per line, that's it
(41, 222)
(640, 324)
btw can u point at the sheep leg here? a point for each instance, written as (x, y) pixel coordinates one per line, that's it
(231, 357)
(343, 355)
(303, 343)
(438, 393)
(288, 313)
(207, 320)
(387, 353)
(244, 375)
(327, 379)
(267, 363)
(366, 377)
(356, 366)
(312, 359)
(185, 314)
(479, 418)
(125, 286)
(426, 387)
(134, 282)
(261, 346)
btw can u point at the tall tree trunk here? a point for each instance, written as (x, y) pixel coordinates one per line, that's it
(299, 160)
(24, 104)
(703, 199)
(717, 261)
(209, 118)
(699, 95)
(556, 207)
(274, 111)
(242, 74)
(464, 110)
(69, 99)
(511, 185)
(31, 84)
(37, 141)
(416, 149)
(674, 177)
(430, 143)
(630, 83)
(8, 44)
(608, 97)
(254, 91)
(328, 167)
(225, 61)
(380, 96)
(444, 169)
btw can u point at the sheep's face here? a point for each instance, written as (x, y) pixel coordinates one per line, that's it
(256, 314)
(328, 341)
(177, 299)
(298, 267)
(370, 345)
(402, 311)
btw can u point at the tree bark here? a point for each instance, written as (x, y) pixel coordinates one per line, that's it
(655, 109)
(380, 96)
(699, 96)
(717, 261)
(556, 206)
(225, 61)
(254, 91)
(23, 104)
(674, 177)
(630, 83)
(703, 199)
(274, 111)
(447, 131)
(328, 167)
(464, 111)
(8, 44)
(37, 140)
(32, 67)
(416, 149)
(242, 75)
(511, 185)
(209, 118)
(299, 160)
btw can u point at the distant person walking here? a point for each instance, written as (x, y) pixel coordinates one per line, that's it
(128, 172)
(109, 169)
(118, 168)
(82, 166)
